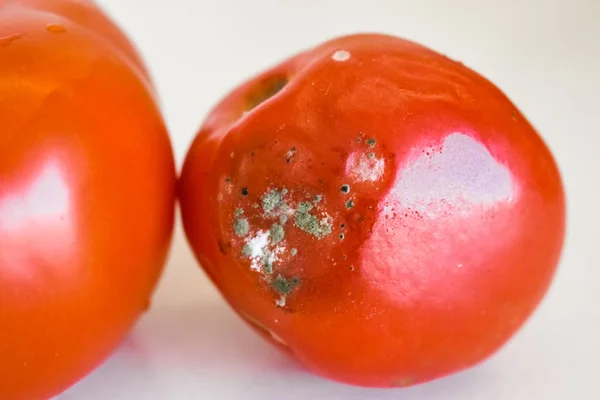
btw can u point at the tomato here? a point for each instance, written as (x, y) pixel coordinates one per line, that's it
(378, 211)
(87, 193)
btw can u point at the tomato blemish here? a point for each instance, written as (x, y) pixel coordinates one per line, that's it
(273, 200)
(309, 223)
(290, 155)
(261, 250)
(341, 55)
(241, 227)
(284, 287)
(277, 233)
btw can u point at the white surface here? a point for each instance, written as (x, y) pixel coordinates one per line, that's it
(544, 54)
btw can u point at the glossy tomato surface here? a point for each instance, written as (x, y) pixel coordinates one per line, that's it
(379, 211)
(87, 189)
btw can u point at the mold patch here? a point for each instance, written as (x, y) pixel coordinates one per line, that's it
(309, 223)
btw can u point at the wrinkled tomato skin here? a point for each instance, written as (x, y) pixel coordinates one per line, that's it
(87, 193)
(441, 245)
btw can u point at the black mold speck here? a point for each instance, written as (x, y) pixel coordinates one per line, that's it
(371, 142)
(341, 236)
(345, 189)
(349, 204)
(244, 192)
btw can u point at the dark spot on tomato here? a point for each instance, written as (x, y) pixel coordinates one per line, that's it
(345, 189)
(244, 192)
(266, 89)
(283, 285)
(290, 154)
(349, 204)
(222, 247)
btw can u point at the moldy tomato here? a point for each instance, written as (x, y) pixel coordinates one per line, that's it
(377, 210)
(87, 193)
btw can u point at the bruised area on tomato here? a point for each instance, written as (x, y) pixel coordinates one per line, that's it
(377, 214)
(87, 194)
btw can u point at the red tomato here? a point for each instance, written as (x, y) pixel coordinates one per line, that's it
(381, 212)
(87, 191)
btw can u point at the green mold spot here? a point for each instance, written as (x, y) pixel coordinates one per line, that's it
(267, 267)
(277, 233)
(309, 223)
(238, 212)
(349, 204)
(317, 199)
(241, 227)
(294, 252)
(371, 155)
(272, 199)
(371, 142)
(284, 286)
(283, 219)
(246, 250)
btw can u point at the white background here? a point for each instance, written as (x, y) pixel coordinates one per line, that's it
(545, 54)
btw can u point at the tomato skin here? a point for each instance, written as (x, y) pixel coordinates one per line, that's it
(87, 193)
(389, 217)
